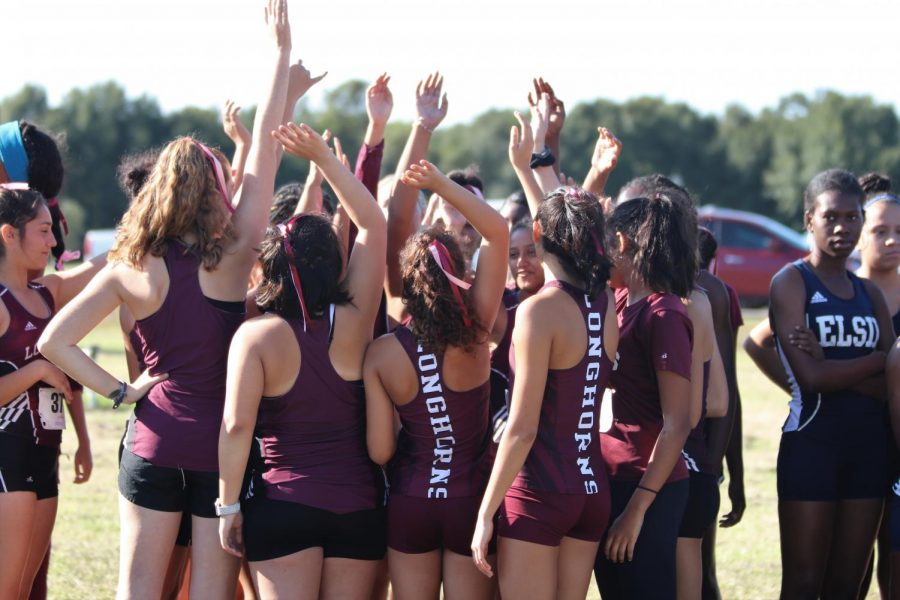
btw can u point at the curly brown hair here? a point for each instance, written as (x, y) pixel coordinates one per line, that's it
(438, 320)
(181, 197)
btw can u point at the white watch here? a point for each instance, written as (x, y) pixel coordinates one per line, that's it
(223, 510)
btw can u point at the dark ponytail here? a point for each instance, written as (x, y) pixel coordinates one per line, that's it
(572, 230)
(318, 260)
(662, 236)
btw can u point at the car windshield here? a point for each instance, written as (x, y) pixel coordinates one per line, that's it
(798, 240)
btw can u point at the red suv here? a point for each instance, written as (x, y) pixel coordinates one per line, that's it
(752, 248)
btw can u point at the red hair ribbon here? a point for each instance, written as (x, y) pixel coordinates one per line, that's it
(220, 175)
(285, 229)
(442, 258)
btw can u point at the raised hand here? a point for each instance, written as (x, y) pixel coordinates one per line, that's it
(557, 116)
(234, 128)
(379, 100)
(567, 181)
(606, 151)
(424, 175)
(521, 144)
(302, 141)
(316, 176)
(540, 121)
(300, 80)
(339, 152)
(431, 107)
(276, 14)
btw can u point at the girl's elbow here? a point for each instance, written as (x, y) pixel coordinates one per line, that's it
(524, 435)
(381, 454)
(45, 346)
(717, 410)
(235, 426)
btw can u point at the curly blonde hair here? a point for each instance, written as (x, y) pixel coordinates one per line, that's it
(181, 197)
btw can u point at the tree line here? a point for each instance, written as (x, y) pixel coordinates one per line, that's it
(759, 162)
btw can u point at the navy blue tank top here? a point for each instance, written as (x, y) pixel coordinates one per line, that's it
(846, 329)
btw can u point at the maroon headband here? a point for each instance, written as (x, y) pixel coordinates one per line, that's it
(286, 229)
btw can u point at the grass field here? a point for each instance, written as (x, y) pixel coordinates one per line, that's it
(85, 544)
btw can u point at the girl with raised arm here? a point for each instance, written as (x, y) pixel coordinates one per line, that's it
(832, 461)
(548, 479)
(314, 525)
(434, 373)
(180, 263)
(645, 425)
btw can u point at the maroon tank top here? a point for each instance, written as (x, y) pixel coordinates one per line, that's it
(177, 423)
(313, 438)
(37, 413)
(442, 448)
(565, 457)
(655, 334)
(695, 453)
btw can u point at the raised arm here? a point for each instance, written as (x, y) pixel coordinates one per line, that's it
(786, 301)
(431, 108)
(254, 198)
(521, 144)
(557, 118)
(490, 277)
(379, 105)
(238, 133)
(603, 161)
(366, 267)
(547, 178)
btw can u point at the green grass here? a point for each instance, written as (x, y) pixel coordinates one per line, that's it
(85, 556)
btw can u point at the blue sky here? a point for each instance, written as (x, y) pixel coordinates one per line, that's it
(705, 52)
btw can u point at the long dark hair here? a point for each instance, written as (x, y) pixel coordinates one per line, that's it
(662, 236)
(572, 230)
(317, 258)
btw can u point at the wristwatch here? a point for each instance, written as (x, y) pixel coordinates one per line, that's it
(223, 510)
(118, 395)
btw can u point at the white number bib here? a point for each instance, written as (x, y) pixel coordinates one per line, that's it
(50, 408)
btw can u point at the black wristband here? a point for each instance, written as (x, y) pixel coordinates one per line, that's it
(119, 395)
(646, 489)
(544, 159)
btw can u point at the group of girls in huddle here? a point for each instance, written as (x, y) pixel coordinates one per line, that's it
(460, 449)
